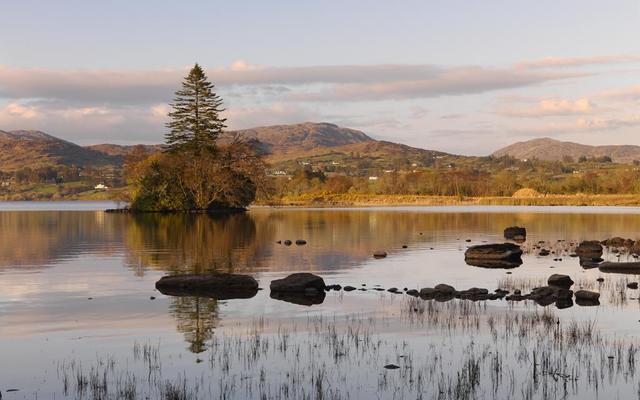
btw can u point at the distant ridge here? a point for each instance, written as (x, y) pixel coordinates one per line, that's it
(548, 149)
(35, 149)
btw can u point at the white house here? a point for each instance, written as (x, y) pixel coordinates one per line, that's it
(100, 186)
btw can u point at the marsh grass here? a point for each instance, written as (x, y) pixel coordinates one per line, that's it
(452, 350)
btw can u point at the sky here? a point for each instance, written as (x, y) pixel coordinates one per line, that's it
(466, 77)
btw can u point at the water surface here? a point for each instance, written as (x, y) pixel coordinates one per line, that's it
(77, 298)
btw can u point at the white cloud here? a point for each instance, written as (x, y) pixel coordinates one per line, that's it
(550, 107)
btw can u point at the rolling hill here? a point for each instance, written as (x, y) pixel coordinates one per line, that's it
(548, 149)
(319, 144)
(34, 149)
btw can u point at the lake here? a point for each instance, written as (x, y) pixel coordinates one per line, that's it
(80, 317)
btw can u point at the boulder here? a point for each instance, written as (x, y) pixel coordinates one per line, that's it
(632, 285)
(494, 252)
(287, 242)
(562, 281)
(217, 286)
(298, 283)
(515, 233)
(301, 242)
(444, 288)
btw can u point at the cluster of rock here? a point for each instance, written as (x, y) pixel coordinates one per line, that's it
(559, 292)
(299, 242)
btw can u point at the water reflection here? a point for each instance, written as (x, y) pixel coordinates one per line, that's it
(197, 318)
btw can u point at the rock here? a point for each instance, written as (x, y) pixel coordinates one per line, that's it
(349, 288)
(152, 297)
(587, 295)
(474, 294)
(404, 246)
(427, 293)
(632, 285)
(279, 242)
(298, 282)
(413, 292)
(543, 252)
(600, 280)
(563, 281)
(515, 233)
(494, 252)
(379, 254)
(445, 289)
(301, 242)
(393, 290)
(337, 288)
(287, 242)
(620, 267)
(589, 249)
(216, 286)
(391, 366)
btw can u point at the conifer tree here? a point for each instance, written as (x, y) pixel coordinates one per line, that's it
(195, 120)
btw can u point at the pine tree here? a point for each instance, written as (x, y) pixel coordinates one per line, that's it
(195, 120)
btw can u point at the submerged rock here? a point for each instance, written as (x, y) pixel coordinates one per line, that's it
(494, 252)
(515, 233)
(589, 249)
(621, 267)
(379, 254)
(587, 295)
(298, 282)
(217, 286)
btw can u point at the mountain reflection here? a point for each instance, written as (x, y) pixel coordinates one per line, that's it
(247, 242)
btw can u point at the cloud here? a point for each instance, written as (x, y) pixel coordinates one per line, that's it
(631, 94)
(581, 125)
(555, 62)
(345, 83)
(550, 107)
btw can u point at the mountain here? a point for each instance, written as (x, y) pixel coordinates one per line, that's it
(316, 144)
(297, 138)
(34, 149)
(548, 149)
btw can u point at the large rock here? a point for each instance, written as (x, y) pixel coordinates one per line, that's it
(620, 267)
(559, 280)
(217, 286)
(515, 233)
(494, 252)
(298, 283)
(589, 249)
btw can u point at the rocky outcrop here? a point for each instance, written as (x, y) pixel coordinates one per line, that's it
(217, 286)
(501, 255)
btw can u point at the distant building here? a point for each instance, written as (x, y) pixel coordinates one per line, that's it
(373, 178)
(100, 186)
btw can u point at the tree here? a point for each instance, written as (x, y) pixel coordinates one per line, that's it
(195, 120)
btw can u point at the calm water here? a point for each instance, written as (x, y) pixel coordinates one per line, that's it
(77, 318)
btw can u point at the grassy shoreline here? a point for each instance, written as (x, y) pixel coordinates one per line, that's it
(357, 200)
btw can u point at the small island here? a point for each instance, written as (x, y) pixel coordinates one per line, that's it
(195, 172)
